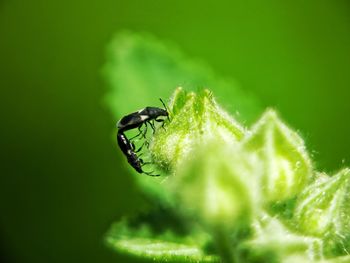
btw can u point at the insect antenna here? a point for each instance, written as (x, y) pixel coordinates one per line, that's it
(165, 108)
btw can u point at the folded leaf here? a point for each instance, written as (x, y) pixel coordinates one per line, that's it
(323, 210)
(287, 167)
(142, 242)
(274, 242)
(195, 119)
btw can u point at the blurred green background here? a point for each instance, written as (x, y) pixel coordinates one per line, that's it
(63, 180)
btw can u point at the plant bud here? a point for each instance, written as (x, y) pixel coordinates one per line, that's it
(286, 165)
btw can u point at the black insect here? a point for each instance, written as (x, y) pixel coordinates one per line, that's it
(128, 148)
(142, 117)
(137, 120)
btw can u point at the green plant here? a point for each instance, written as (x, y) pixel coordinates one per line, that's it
(227, 193)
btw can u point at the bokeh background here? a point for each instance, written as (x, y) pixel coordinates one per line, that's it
(62, 181)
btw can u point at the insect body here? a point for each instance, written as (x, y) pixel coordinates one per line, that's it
(136, 120)
(128, 149)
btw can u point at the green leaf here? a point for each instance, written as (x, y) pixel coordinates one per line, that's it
(141, 68)
(144, 242)
(323, 209)
(274, 239)
(195, 119)
(344, 259)
(216, 186)
(287, 167)
(304, 259)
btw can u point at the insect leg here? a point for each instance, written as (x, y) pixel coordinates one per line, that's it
(162, 121)
(140, 132)
(152, 126)
(145, 131)
(140, 148)
(132, 146)
(150, 173)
